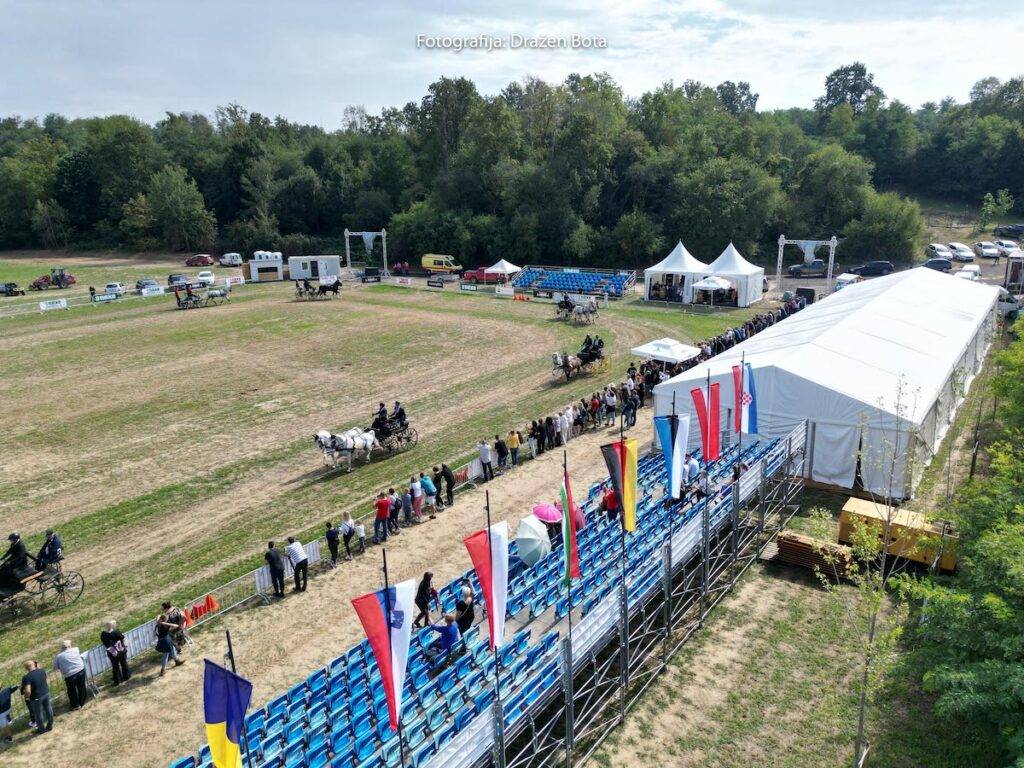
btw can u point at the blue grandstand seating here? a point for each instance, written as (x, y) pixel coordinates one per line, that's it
(550, 279)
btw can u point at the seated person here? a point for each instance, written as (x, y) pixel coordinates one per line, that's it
(398, 414)
(52, 551)
(448, 637)
(14, 567)
(380, 425)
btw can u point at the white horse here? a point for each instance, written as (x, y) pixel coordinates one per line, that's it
(585, 313)
(352, 442)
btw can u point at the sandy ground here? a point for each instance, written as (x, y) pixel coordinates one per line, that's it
(153, 720)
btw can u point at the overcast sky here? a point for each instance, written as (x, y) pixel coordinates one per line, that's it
(307, 60)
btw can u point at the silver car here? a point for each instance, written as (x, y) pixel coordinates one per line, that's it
(961, 252)
(1006, 247)
(938, 251)
(986, 250)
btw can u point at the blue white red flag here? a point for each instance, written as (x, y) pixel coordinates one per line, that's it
(386, 616)
(746, 399)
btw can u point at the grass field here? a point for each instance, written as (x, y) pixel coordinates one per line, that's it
(167, 446)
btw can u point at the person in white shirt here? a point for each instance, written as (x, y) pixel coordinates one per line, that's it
(569, 418)
(485, 460)
(417, 496)
(71, 665)
(300, 563)
(611, 403)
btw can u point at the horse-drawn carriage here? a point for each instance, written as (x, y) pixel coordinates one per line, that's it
(190, 299)
(390, 436)
(590, 359)
(327, 288)
(582, 313)
(51, 587)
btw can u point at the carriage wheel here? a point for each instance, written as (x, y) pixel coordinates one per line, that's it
(64, 589)
(411, 438)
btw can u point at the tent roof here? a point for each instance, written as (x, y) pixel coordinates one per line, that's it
(712, 283)
(862, 341)
(667, 350)
(504, 267)
(730, 262)
(679, 261)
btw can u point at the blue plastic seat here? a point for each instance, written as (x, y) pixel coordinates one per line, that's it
(294, 756)
(183, 762)
(318, 759)
(365, 747)
(424, 754)
(270, 749)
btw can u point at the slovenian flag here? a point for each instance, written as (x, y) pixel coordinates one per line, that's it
(710, 420)
(493, 574)
(226, 697)
(572, 554)
(746, 398)
(386, 616)
(673, 434)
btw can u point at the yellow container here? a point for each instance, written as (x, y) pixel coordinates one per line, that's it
(911, 534)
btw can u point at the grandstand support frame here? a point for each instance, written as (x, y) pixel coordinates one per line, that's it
(569, 724)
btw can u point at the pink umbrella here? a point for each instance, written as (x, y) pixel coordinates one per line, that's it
(547, 513)
(577, 514)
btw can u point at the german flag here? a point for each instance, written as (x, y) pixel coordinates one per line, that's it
(621, 460)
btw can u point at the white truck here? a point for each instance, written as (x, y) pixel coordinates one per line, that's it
(231, 260)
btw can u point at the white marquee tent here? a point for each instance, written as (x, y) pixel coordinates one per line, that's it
(747, 278)
(667, 350)
(679, 268)
(503, 267)
(880, 365)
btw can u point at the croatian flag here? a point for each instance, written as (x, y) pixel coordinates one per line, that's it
(746, 399)
(493, 575)
(386, 616)
(710, 420)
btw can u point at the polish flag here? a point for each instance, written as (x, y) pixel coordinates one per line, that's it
(492, 574)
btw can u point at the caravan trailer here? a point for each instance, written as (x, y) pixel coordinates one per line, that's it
(314, 267)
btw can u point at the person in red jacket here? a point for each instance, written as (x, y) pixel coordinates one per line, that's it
(382, 511)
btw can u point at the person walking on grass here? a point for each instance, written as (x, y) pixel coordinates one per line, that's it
(275, 564)
(165, 628)
(36, 691)
(429, 494)
(300, 563)
(333, 536)
(113, 640)
(381, 514)
(513, 442)
(485, 460)
(71, 665)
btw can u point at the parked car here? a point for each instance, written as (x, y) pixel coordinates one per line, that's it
(939, 265)
(847, 278)
(206, 277)
(1008, 305)
(480, 276)
(1009, 230)
(986, 250)
(114, 289)
(146, 282)
(176, 278)
(1006, 247)
(937, 251)
(199, 260)
(816, 268)
(231, 260)
(961, 252)
(10, 289)
(873, 269)
(970, 272)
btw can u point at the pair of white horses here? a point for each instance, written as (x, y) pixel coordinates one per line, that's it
(353, 442)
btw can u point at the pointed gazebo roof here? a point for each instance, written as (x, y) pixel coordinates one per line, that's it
(730, 262)
(679, 261)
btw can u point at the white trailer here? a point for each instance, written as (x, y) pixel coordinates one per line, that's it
(314, 268)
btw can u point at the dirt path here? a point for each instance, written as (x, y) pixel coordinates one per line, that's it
(154, 720)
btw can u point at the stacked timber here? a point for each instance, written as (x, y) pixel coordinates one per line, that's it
(834, 560)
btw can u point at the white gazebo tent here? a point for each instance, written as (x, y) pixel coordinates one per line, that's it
(506, 268)
(877, 366)
(666, 350)
(711, 283)
(680, 268)
(747, 279)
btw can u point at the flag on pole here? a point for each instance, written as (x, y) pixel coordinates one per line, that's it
(493, 576)
(746, 398)
(226, 697)
(386, 616)
(572, 554)
(674, 434)
(621, 459)
(709, 418)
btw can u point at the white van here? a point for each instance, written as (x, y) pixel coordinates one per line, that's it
(231, 260)
(1009, 305)
(969, 272)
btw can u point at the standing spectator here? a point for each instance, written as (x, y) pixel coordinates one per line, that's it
(611, 403)
(333, 539)
(416, 489)
(396, 508)
(348, 529)
(449, 484)
(429, 494)
(180, 621)
(165, 640)
(485, 460)
(437, 480)
(117, 652)
(501, 449)
(566, 424)
(71, 665)
(549, 432)
(424, 593)
(595, 409)
(465, 613)
(513, 444)
(407, 505)
(610, 504)
(300, 563)
(536, 440)
(36, 691)
(275, 562)
(5, 711)
(382, 511)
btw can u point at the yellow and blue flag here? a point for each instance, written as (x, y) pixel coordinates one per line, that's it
(226, 697)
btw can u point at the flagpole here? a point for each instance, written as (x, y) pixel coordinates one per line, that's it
(490, 555)
(245, 736)
(387, 618)
(739, 406)
(567, 543)
(671, 498)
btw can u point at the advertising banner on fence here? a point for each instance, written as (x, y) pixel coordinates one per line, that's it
(236, 280)
(504, 291)
(156, 290)
(99, 298)
(468, 287)
(46, 306)
(435, 283)
(406, 281)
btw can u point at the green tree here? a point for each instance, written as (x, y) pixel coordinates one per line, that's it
(178, 210)
(891, 228)
(639, 239)
(995, 206)
(851, 84)
(832, 188)
(138, 227)
(50, 224)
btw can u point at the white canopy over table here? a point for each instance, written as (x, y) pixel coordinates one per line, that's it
(504, 268)
(666, 350)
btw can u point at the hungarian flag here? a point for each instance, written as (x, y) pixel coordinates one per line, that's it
(674, 434)
(621, 458)
(386, 616)
(493, 574)
(709, 417)
(572, 554)
(746, 399)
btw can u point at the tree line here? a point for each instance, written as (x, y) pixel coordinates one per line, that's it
(571, 173)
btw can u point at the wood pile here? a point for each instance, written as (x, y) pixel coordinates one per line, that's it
(834, 560)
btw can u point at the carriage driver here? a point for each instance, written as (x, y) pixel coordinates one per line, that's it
(52, 551)
(398, 414)
(14, 566)
(306, 285)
